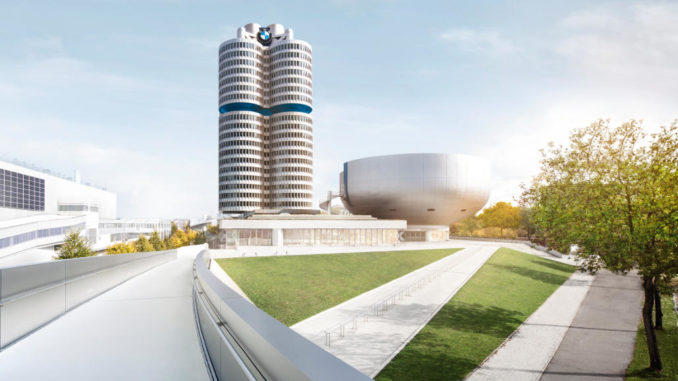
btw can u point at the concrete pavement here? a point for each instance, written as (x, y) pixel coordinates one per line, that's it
(525, 354)
(143, 329)
(600, 342)
(372, 342)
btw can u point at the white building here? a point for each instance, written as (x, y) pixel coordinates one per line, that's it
(265, 126)
(38, 208)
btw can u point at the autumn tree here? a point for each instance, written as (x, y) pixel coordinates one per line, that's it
(121, 248)
(156, 241)
(467, 226)
(143, 245)
(191, 235)
(75, 246)
(613, 192)
(501, 215)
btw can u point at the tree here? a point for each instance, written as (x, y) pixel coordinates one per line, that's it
(121, 248)
(180, 237)
(174, 242)
(75, 246)
(143, 245)
(191, 235)
(527, 221)
(614, 193)
(157, 242)
(501, 215)
(468, 226)
(200, 238)
(213, 229)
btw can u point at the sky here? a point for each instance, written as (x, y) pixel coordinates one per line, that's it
(126, 91)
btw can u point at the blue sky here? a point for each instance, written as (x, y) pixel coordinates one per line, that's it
(126, 91)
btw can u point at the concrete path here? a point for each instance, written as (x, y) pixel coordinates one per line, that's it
(528, 351)
(377, 339)
(141, 330)
(600, 342)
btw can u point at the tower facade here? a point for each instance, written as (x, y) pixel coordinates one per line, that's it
(265, 126)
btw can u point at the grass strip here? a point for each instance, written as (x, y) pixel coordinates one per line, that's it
(293, 288)
(667, 339)
(507, 289)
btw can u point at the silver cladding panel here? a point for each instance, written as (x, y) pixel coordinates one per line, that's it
(424, 189)
(276, 351)
(33, 295)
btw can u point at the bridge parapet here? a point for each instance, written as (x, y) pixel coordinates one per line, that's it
(33, 295)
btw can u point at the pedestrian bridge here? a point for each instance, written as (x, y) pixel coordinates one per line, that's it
(151, 316)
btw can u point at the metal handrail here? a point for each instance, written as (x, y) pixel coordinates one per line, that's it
(263, 345)
(382, 305)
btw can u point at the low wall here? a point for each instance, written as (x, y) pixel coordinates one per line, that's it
(33, 295)
(242, 342)
(489, 239)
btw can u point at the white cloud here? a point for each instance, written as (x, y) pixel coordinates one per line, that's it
(50, 46)
(147, 184)
(477, 41)
(634, 46)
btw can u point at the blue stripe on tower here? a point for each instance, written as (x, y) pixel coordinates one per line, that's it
(243, 106)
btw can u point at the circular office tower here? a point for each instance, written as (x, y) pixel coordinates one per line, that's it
(291, 127)
(265, 130)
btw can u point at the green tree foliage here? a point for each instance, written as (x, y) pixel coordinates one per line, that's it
(143, 245)
(157, 242)
(75, 246)
(501, 215)
(527, 221)
(613, 192)
(122, 248)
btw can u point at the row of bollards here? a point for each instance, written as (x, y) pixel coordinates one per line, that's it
(380, 307)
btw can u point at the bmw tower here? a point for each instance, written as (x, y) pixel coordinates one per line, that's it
(265, 126)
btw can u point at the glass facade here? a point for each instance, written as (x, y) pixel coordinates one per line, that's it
(21, 191)
(37, 234)
(77, 208)
(340, 237)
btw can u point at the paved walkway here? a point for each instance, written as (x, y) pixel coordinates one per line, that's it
(528, 351)
(376, 341)
(600, 342)
(141, 330)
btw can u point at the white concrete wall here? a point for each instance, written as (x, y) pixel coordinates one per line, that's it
(58, 190)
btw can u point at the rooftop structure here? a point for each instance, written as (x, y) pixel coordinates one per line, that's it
(37, 209)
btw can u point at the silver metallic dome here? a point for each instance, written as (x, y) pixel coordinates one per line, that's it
(422, 188)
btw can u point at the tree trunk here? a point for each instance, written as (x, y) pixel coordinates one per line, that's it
(658, 314)
(653, 349)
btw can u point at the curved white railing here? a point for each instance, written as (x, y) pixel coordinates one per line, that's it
(33, 295)
(242, 342)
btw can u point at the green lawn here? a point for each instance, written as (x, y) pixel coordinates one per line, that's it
(668, 348)
(293, 288)
(493, 303)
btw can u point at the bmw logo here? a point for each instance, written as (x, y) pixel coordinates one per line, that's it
(264, 36)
